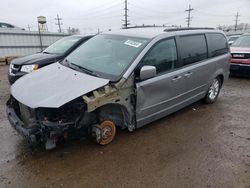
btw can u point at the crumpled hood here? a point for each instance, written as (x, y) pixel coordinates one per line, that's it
(37, 58)
(54, 86)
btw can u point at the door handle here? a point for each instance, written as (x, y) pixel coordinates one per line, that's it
(188, 74)
(176, 78)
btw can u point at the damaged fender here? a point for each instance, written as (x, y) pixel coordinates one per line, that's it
(114, 102)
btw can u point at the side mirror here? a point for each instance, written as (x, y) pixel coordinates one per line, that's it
(147, 72)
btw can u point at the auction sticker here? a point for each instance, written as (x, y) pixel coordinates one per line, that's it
(133, 43)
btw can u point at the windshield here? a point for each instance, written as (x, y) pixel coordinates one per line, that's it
(107, 55)
(243, 41)
(62, 45)
(232, 39)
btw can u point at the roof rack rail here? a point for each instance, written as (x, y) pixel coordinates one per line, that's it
(188, 28)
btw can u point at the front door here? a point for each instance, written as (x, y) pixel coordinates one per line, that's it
(172, 88)
(157, 96)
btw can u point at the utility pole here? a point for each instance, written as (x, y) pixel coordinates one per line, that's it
(189, 18)
(59, 23)
(28, 26)
(236, 21)
(126, 21)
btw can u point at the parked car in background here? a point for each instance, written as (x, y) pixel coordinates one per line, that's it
(123, 79)
(240, 53)
(232, 38)
(55, 52)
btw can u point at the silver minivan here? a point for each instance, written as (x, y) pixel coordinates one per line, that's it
(123, 79)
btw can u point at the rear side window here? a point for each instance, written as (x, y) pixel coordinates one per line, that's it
(163, 56)
(193, 48)
(217, 44)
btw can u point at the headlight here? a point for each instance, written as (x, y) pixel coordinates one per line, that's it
(10, 68)
(29, 68)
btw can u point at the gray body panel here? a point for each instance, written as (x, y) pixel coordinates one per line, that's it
(161, 95)
(54, 86)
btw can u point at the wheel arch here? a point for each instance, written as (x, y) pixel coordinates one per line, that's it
(115, 112)
(221, 77)
(220, 73)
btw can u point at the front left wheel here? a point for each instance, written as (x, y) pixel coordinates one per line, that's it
(104, 133)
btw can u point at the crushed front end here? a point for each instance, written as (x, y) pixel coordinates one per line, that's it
(48, 126)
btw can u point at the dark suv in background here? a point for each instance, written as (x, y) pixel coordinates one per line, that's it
(55, 52)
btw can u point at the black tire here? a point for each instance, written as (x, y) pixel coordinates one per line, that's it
(213, 91)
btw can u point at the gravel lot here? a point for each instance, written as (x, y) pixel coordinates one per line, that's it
(199, 146)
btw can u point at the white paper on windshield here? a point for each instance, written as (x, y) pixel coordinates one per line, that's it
(133, 43)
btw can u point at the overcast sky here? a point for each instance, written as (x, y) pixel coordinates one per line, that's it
(89, 15)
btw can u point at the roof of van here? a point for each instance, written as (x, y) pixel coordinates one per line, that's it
(155, 31)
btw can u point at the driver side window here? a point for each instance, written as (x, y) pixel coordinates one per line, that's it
(163, 56)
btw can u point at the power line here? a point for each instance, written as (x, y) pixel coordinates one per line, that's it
(106, 10)
(159, 17)
(102, 7)
(152, 11)
(59, 23)
(126, 21)
(99, 17)
(236, 21)
(212, 14)
(189, 18)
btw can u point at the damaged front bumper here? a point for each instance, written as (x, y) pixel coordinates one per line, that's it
(32, 134)
(40, 131)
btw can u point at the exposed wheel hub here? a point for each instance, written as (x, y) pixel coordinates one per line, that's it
(104, 133)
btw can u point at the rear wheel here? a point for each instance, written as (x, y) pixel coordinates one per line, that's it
(213, 91)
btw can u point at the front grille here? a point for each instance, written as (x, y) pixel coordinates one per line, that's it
(16, 66)
(240, 56)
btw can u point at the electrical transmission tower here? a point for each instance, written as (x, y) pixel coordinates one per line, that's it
(59, 23)
(189, 18)
(236, 21)
(126, 21)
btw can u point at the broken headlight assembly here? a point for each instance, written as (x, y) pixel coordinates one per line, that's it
(67, 114)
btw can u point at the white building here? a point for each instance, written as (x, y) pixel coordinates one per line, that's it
(15, 41)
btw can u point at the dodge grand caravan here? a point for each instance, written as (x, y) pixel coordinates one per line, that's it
(123, 79)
